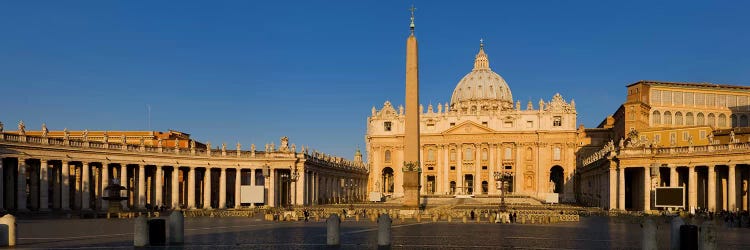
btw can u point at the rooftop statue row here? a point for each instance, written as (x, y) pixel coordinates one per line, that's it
(556, 105)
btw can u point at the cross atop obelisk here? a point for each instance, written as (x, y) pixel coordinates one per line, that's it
(411, 168)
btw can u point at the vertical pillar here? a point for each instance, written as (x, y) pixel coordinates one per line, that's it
(65, 186)
(732, 192)
(105, 183)
(300, 191)
(43, 186)
(21, 188)
(692, 187)
(190, 186)
(78, 187)
(673, 177)
(477, 169)
(314, 187)
(124, 183)
(491, 168)
(159, 183)
(446, 168)
(207, 189)
(175, 187)
(141, 186)
(647, 188)
(223, 189)
(621, 189)
(460, 189)
(711, 188)
(86, 186)
(96, 187)
(237, 187)
(271, 191)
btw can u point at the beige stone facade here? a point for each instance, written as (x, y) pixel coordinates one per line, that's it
(666, 134)
(40, 173)
(480, 132)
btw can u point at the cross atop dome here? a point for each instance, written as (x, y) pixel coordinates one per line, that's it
(481, 62)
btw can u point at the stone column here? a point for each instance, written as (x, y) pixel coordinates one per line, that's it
(673, 177)
(223, 188)
(21, 188)
(460, 189)
(299, 194)
(56, 186)
(159, 183)
(732, 192)
(314, 187)
(124, 182)
(237, 187)
(190, 186)
(175, 187)
(621, 189)
(43, 186)
(491, 168)
(271, 187)
(446, 168)
(86, 184)
(613, 185)
(692, 187)
(647, 188)
(105, 183)
(478, 169)
(207, 189)
(711, 188)
(65, 186)
(141, 186)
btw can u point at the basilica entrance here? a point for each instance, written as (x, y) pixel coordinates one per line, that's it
(430, 185)
(468, 184)
(387, 180)
(557, 176)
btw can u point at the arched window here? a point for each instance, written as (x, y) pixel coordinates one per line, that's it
(722, 120)
(689, 120)
(678, 118)
(743, 121)
(387, 156)
(667, 118)
(656, 118)
(468, 154)
(701, 120)
(735, 121)
(529, 153)
(711, 120)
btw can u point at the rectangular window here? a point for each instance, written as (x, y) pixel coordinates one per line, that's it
(387, 126)
(453, 124)
(508, 124)
(508, 167)
(703, 134)
(484, 167)
(556, 154)
(672, 138)
(430, 168)
(453, 167)
(508, 154)
(685, 136)
(557, 121)
(484, 124)
(657, 138)
(529, 124)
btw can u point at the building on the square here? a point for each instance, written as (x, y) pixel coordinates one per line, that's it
(68, 170)
(668, 134)
(479, 132)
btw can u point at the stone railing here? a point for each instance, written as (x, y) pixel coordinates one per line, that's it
(319, 158)
(715, 148)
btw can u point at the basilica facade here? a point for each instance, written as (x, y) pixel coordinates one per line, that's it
(480, 133)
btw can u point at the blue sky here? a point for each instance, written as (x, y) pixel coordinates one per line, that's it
(253, 71)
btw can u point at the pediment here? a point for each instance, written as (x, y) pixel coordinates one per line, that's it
(468, 127)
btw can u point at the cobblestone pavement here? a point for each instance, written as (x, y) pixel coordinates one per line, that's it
(252, 233)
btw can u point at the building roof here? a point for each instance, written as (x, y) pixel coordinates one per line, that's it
(691, 84)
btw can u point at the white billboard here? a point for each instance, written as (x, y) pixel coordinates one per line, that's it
(252, 194)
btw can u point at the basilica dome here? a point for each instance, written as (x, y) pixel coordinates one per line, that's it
(481, 88)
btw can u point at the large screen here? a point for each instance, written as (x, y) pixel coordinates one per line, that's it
(670, 197)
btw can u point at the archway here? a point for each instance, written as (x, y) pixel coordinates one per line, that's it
(557, 176)
(387, 180)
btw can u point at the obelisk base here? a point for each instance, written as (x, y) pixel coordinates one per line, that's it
(411, 189)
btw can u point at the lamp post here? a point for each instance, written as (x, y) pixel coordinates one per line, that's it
(291, 177)
(502, 177)
(349, 185)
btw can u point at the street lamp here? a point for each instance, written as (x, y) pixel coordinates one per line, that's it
(349, 185)
(290, 177)
(502, 177)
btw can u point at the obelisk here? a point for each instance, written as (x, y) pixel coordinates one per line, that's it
(411, 168)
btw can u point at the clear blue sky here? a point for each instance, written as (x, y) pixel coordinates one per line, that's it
(252, 71)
